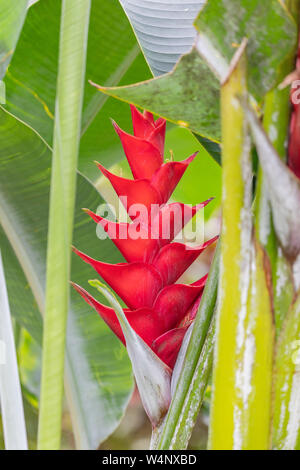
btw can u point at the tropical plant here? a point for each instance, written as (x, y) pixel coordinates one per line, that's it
(160, 311)
(222, 77)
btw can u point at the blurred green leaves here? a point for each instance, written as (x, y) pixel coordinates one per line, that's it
(202, 180)
(32, 76)
(12, 16)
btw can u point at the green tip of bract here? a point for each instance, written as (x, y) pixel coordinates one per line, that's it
(97, 284)
(103, 289)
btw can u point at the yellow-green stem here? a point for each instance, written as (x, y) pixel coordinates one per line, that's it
(241, 402)
(70, 85)
(235, 149)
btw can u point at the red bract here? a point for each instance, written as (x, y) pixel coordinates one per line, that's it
(159, 310)
(294, 141)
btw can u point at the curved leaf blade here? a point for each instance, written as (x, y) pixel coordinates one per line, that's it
(187, 96)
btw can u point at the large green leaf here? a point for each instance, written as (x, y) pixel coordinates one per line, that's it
(98, 374)
(112, 54)
(270, 30)
(12, 15)
(182, 96)
(189, 94)
(164, 29)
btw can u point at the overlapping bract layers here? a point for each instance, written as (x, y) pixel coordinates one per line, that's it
(159, 310)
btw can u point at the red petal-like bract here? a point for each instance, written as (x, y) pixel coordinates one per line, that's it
(159, 310)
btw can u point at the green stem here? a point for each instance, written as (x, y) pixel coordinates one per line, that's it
(241, 398)
(70, 86)
(234, 275)
(194, 372)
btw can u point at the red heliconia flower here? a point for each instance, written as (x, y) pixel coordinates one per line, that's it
(294, 141)
(159, 309)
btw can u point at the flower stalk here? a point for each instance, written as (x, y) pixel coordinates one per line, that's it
(70, 85)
